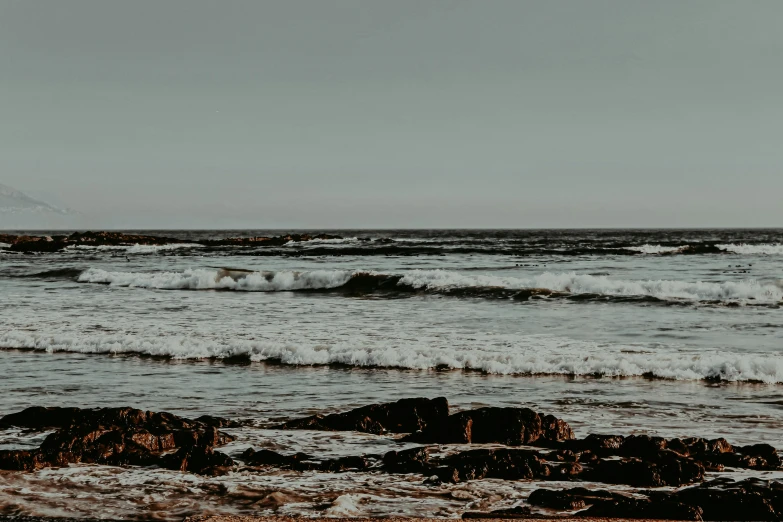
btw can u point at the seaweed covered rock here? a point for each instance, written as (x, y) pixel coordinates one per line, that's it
(403, 416)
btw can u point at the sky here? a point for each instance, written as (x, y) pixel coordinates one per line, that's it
(404, 113)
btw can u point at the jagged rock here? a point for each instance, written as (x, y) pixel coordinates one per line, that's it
(510, 426)
(635, 508)
(712, 454)
(415, 460)
(118, 437)
(403, 416)
(507, 464)
(667, 468)
(608, 504)
(569, 499)
(724, 499)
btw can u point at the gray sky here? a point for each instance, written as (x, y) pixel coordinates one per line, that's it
(410, 113)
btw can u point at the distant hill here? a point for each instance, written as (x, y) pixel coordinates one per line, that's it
(20, 211)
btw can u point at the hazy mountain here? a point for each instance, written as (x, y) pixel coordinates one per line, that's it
(20, 211)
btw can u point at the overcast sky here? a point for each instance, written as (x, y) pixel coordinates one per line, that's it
(396, 113)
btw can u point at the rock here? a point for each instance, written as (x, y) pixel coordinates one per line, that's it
(415, 460)
(117, 437)
(506, 464)
(724, 499)
(667, 468)
(510, 426)
(569, 499)
(712, 454)
(606, 504)
(403, 416)
(202, 460)
(304, 462)
(635, 508)
(265, 457)
(19, 460)
(756, 456)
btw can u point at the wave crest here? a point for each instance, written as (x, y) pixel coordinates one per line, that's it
(528, 355)
(568, 285)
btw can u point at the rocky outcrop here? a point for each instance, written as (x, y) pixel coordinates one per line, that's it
(720, 499)
(403, 416)
(510, 426)
(119, 437)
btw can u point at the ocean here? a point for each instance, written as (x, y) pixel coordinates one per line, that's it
(664, 332)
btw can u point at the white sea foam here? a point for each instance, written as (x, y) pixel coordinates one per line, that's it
(5, 245)
(749, 290)
(571, 282)
(340, 241)
(654, 249)
(346, 505)
(206, 279)
(526, 355)
(134, 249)
(770, 249)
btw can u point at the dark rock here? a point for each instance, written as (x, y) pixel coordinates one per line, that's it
(724, 499)
(606, 504)
(304, 462)
(513, 512)
(202, 460)
(510, 426)
(415, 460)
(667, 468)
(345, 464)
(19, 460)
(117, 437)
(507, 464)
(265, 457)
(403, 416)
(635, 508)
(756, 456)
(568, 499)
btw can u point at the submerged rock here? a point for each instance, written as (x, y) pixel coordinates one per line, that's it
(304, 462)
(403, 416)
(118, 437)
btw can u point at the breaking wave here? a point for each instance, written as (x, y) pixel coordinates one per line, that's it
(546, 285)
(655, 249)
(770, 249)
(135, 249)
(529, 355)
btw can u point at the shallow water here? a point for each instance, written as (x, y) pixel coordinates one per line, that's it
(625, 333)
